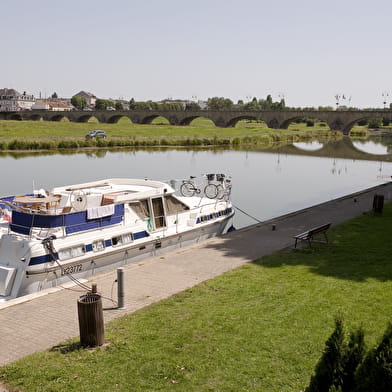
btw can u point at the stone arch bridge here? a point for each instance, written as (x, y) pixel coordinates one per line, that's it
(278, 119)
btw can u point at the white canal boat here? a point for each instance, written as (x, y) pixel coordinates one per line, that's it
(76, 231)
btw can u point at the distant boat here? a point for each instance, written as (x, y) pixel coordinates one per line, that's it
(78, 230)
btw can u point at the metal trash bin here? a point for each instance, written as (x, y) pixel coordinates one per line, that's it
(378, 203)
(91, 326)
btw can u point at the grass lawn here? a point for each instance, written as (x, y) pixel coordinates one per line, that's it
(33, 134)
(261, 327)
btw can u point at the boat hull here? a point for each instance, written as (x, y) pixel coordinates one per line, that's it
(52, 275)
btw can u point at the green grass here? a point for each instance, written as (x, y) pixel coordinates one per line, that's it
(261, 327)
(43, 135)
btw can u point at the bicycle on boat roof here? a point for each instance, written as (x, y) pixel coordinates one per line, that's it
(212, 190)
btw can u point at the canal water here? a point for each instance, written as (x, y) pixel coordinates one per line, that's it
(266, 183)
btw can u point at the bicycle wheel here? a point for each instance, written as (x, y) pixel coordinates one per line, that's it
(187, 189)
(227, 194)
(220, 191)
(211, 190)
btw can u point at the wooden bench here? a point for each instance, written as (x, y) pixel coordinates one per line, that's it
(311, 233)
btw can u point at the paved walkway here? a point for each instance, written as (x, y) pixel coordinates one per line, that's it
(50, 317)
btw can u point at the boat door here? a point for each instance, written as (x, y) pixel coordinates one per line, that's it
(158, 213)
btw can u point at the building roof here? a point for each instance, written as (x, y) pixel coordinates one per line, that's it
(85, 94)
(54, 104)
(9, 92)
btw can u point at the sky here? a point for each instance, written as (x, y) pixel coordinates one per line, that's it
(307, 51)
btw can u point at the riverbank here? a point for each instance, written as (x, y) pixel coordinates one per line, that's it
(40, 135)
(261, 326)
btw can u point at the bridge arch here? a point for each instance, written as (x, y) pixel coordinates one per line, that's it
(199, 120)
(114, 119)
(35, 117)
(58, 117)
(235, 120)
(289, 122)
(150, 118)
(188, 120)
(16, 117)
(88, 118)
(365, 116)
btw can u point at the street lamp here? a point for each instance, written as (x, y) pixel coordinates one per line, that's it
(337, 99)
(385, 96)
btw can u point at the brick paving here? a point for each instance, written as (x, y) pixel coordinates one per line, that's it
(44, 320)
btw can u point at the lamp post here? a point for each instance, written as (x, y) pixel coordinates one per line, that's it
(337, 99)
(385, 96)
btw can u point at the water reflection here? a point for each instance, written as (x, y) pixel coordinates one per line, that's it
(371, 147)
(266, 183)
(309, 146)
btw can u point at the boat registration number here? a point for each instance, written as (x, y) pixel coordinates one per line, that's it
(71, 269)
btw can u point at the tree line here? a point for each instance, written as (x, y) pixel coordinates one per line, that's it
(214, 103)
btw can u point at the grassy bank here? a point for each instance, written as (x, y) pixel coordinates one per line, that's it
(41, 135)
(259, 327)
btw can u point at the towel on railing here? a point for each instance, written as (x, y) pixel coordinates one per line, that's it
(100, 212)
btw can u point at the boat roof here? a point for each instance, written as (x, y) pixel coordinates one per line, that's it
(119, 190)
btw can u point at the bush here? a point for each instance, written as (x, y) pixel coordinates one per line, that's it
(375, 373)
(17, 145)
(68, 144)
(309, 123)
(343, 369)
(375, 123)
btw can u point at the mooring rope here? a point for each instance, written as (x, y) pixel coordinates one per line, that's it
(250, 216)
(48, 244)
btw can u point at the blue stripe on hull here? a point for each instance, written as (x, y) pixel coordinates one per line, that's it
(89, 248)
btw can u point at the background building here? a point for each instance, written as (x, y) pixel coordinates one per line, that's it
(13, 101)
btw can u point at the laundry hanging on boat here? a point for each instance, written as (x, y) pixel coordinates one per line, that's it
(100, 212)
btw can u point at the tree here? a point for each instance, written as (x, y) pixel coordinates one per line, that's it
(79, 102)
(119, 106)
(375, 373)
(101, 104)
(54, 95)
(282, 104)
(219, 103)
(329, 369)
(269, 101)
(354, 355)
(192, 106)
(252, 105)
(132, 105)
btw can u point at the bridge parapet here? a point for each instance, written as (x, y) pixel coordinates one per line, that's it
(278, 119)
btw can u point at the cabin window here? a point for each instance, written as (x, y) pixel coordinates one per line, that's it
(122, 239)
(116, 240)
(174, 206)
(98, 245)
(159, 213)
(141, 208)
(127, 238)
(74, 251)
